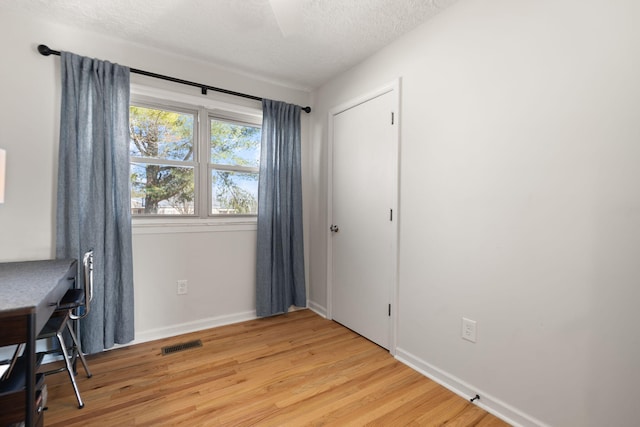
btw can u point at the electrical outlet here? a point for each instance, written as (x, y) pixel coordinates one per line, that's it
(469, 329)
(182, 287)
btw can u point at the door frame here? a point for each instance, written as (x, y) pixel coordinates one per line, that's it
(394, 87)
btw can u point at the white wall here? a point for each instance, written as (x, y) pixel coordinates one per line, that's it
(519, 201)
(520, 208)
(218, 262)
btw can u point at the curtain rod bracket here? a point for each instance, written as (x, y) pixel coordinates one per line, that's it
(204, 90)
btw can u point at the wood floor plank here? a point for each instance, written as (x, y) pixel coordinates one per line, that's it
(296, 369)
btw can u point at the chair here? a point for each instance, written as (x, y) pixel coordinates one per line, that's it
(74, 305)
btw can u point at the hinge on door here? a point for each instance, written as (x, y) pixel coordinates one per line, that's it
(390, 214)
(389, 310)
(392, 117)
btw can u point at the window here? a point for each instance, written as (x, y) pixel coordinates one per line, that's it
(162, 149)
(182, 168)
(234, 162)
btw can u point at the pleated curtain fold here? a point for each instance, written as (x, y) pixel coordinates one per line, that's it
(280, 281)
(93, 198)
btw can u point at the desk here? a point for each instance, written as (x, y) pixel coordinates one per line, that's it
(29, 293)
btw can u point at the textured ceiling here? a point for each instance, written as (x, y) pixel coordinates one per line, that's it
(245, 35)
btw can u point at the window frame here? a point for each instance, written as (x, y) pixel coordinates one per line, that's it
(194, 162)
(222, 167)
(204, 110)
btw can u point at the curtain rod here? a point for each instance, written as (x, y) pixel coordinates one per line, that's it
(44, 50)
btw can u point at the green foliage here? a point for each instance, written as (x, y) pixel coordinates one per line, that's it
(233, 144)
(237, 145)
(166, 135)
(162, 135)
(230, 196)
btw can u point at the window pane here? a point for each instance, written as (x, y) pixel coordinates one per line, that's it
(233, 144)
(234, 193)
(162, 190)
(160, 134)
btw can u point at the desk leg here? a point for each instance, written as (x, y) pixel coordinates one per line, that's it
(30, 354)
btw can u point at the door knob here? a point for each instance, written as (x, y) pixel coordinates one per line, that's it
(334, 228)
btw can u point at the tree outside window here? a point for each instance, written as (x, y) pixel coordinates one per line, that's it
(164, 151)
(235, 160)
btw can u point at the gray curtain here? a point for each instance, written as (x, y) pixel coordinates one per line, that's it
(93, 207)
(280, 281)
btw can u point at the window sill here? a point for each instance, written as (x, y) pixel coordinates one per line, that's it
(192, 225)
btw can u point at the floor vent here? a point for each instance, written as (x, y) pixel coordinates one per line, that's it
(181, 347)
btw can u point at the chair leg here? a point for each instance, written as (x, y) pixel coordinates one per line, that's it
(13, 361)
(67, 362)
(77, 350)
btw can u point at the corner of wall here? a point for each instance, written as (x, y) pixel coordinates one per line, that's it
(317, 308)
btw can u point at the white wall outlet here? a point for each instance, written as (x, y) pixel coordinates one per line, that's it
(182, 287)
(469, 329)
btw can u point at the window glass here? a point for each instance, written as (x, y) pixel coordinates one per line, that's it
(189, 161)
(235, 159)
(162, 189)
(234, 193)
(162, 152)
(234, 144)
(160, 134)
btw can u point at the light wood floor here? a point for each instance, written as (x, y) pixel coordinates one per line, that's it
(292, 370)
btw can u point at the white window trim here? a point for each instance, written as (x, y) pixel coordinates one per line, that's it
(146, 225)
(203, 222)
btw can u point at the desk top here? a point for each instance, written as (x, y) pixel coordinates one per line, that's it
(26, 284)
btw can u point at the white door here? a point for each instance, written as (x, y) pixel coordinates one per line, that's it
(363, 216)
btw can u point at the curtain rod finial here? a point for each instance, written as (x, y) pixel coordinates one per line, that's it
(44, 50)
(306, 109)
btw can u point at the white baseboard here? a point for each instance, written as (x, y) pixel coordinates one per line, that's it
(487, 402)
(317, 308)
(185, 328)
